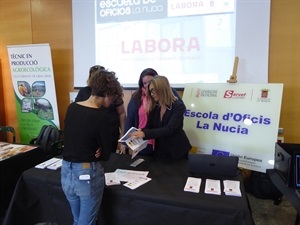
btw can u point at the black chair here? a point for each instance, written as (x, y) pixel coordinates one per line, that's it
(8, 131)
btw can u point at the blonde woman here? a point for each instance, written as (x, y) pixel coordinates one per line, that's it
(165, 121)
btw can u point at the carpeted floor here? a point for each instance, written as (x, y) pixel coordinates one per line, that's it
(265, 212)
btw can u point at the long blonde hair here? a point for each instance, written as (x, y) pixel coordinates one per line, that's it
(163, 89)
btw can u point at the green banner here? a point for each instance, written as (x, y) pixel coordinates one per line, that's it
(34, 88)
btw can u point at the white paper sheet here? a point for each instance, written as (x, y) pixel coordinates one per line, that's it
(130, 175)
(192, 184)
(111, 179)
(137, 183)
(212, 187)
(43, 165)
(232, 188)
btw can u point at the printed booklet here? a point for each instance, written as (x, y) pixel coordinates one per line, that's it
(135, 144)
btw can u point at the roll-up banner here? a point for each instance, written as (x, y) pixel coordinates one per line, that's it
(34, 88)
(234, 119)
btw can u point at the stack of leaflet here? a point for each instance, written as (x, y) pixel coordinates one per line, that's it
(232, 188)
(193, 184)
(111, 179)
(52, 164)
(212, 187)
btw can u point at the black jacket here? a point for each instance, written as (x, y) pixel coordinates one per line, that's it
(171, 141)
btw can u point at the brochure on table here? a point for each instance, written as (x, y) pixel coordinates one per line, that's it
(52, 164)
(7, 149)
(231, 187)
(133, 179)
(135, 144)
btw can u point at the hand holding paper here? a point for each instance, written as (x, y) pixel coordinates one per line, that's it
(137, 134)
(135, 143)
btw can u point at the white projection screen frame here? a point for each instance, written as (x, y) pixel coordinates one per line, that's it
(187, 41)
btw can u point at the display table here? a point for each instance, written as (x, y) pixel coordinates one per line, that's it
(39, 197)
(12, 168)
(288, 192)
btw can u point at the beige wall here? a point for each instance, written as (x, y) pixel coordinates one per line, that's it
(50, 21)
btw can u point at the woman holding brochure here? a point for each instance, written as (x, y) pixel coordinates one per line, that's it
(87, 140)
(165, 122)
(138, 107)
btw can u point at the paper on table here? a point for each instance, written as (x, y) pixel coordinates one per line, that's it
(43, 165)
(136, 183)
(212, 187)
(56, 165)
(130, 175)
(111, 179)
(232, 188)
(192, 184)
(8, 150)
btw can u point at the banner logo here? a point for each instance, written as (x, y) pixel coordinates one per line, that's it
(206, 93)
(234, 95)
(264, 95)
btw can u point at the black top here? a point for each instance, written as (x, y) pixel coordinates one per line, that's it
(114, 117)
(86, 129)
(171, 141)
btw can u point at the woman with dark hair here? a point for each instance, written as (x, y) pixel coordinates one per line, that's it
(87, 140)
(85, 92)
(116, 110)
(138, 108)
(165, 122)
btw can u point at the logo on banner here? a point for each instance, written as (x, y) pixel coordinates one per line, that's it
(264, 95)
(206, 93)
(234, 95)
(190, 7)
(220, 152)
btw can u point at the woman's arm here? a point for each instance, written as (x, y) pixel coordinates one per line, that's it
(122, 118)
(174, 121)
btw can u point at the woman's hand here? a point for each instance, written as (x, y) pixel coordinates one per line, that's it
(98, 153)
(137, 134)
(123, 149)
